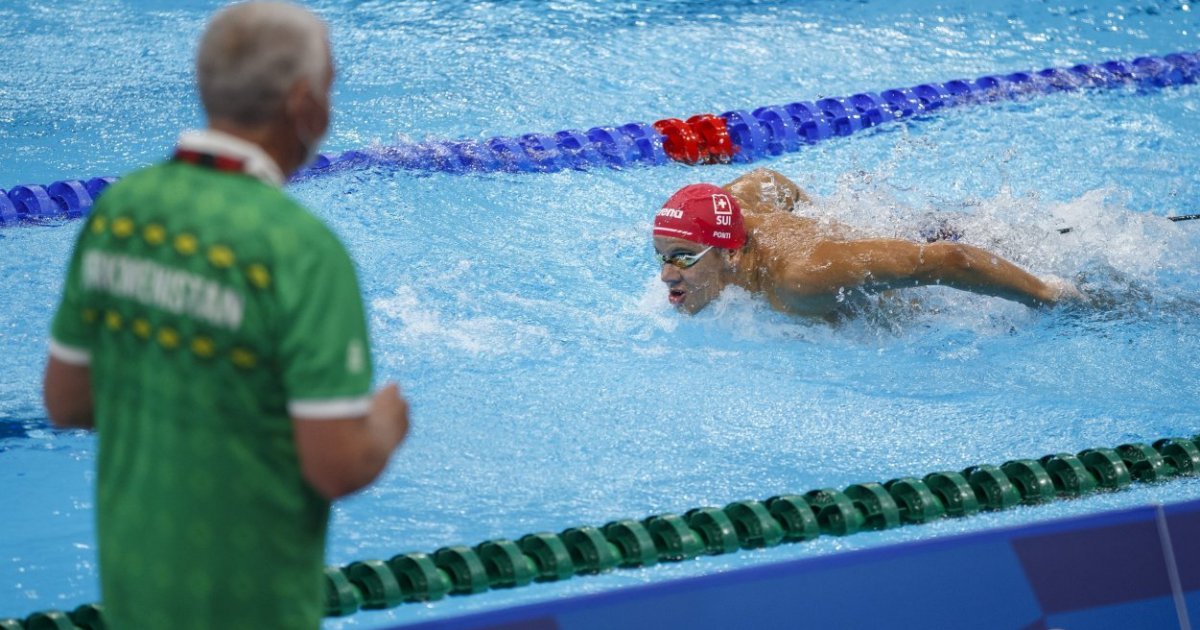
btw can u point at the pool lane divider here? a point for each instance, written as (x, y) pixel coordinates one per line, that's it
(751, 524)
(734, 136)
(1177, 218)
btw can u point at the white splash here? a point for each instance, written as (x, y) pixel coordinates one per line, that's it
(411, 321)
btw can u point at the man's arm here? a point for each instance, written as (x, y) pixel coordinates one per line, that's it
(881, 264)
(339, 456)
(67, 393)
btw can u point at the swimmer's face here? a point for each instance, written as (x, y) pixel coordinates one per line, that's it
(691, 289)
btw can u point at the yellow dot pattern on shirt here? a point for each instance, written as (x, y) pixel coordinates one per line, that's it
(258, 275)
(168, 338)
(203, 347)
(221, 256)
(122, 227)
(243, 358)
(154, 234)
(186, 244)
(141, 328)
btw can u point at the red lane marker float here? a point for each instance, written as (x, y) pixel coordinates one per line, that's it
(703, 138)
(715, 136)
(680, 141)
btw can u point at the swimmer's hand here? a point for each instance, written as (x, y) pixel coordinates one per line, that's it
(1061, 291)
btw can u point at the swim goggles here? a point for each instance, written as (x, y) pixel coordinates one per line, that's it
(681, 260)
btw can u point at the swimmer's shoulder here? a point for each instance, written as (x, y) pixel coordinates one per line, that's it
(764, 190)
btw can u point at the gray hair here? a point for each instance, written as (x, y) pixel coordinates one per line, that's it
(252, 53)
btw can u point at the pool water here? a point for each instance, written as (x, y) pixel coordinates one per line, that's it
(551, 384)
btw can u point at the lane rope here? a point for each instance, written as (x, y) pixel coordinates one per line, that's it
(734, 136)
(1176, 218)
(752, 524)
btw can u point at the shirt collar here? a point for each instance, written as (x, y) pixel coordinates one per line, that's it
(256, 161)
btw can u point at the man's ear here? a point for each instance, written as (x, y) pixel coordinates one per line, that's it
(297, 101)
(733, 256)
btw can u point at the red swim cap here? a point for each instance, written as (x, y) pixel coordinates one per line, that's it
(702, 213)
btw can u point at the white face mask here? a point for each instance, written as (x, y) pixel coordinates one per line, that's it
(310, 144)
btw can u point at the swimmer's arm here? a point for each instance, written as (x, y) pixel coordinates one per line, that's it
(881, 264)
(339, 456)
(67, 393)
(764, 190)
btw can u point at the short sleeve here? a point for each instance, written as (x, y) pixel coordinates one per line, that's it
(71, 329)
(326, 360)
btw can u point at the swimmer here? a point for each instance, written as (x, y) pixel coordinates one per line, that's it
(746, 235)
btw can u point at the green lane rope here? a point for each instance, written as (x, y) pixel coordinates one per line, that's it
(546, 557)
(752, 524)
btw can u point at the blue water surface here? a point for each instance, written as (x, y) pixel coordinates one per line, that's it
(551, 384)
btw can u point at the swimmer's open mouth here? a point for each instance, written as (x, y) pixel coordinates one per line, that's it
(676, 296)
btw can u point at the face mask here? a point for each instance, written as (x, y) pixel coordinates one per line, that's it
(309, 144)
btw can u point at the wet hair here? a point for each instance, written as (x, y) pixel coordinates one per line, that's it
(252, 53)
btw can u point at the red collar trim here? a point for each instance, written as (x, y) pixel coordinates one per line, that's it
(219, 162)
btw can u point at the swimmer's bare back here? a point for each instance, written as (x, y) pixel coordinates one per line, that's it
(806, 267)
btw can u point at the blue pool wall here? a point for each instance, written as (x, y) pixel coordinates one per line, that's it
(1133, 568)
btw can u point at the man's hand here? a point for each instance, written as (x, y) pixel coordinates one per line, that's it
(389, 414)
(340, 456)
(67, 393)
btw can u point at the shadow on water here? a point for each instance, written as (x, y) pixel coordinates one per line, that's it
(14, 429)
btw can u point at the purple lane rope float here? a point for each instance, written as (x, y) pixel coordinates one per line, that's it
(740, 136)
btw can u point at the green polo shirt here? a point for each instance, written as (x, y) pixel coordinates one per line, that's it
(211, 308)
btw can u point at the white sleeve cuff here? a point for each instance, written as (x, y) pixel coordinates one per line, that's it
(70, 354)
(329, 409)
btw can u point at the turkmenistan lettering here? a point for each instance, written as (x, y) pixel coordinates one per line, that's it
(173, 290)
